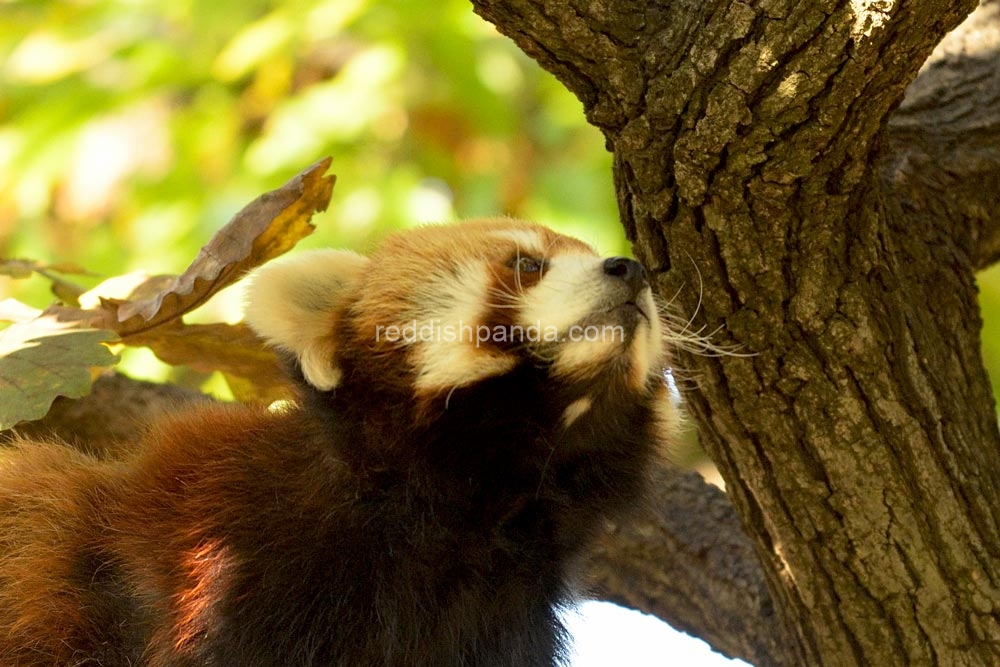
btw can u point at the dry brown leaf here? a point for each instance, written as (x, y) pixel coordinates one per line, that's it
(65, 290)
(264, 229)
(232, 349)
(135, 286)
(148, 310)
(247, 390)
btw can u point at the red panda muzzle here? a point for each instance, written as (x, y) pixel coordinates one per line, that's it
(423, 503)
(628, 271)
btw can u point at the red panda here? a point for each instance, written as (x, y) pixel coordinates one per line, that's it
(476, 399)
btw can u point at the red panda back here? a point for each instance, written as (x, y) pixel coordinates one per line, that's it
(423, 503)
(49, 495)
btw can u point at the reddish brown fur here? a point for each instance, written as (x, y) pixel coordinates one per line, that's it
(57, 504)
(388, 289)
(343, 532)
(155, 517)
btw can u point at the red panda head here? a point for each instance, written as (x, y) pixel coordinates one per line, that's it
(444, 307)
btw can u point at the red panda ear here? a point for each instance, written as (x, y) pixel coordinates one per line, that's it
(294, 302)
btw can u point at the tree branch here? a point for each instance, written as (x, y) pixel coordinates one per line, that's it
(943, 158)
(109, 419)
(685, 559)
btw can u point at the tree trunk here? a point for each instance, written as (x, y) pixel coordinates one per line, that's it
(761, 180)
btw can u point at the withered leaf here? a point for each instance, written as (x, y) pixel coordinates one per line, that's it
(264, 229)
(64, 289)
(232, 349)
(148, 310)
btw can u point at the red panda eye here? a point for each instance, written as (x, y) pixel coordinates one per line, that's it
(526, 264)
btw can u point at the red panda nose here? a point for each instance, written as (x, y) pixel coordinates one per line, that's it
(627, 270)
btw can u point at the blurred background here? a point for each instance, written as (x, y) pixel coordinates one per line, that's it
(130, 130)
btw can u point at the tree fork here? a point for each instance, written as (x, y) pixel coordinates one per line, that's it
(943, 152)
(858, 443)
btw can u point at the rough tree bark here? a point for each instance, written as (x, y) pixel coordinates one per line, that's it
(757, 153)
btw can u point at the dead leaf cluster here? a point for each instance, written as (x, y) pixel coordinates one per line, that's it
(49, 353)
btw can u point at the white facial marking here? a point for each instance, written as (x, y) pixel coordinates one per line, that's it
(527, 241)
(448, 365)
(570, 289)
(575, 289)
(576, 409)
(444, 335)
(584, 358)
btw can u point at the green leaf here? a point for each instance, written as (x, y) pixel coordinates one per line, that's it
(43, 359)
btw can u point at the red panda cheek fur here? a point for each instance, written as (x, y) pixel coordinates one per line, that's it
(335, 532)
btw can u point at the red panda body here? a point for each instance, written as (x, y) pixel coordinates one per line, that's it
(418, 507)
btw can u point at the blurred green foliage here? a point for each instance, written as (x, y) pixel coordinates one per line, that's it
(989, 301)
(130, 130)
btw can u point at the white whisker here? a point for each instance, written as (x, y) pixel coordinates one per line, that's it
(679, 331)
